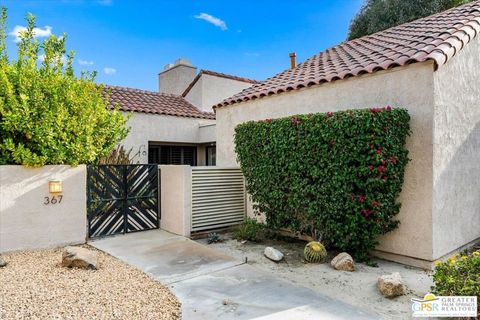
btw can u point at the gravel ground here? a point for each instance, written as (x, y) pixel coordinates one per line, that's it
(357, 288)
(34, 286)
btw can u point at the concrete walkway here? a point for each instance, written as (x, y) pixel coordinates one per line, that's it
(211, 285)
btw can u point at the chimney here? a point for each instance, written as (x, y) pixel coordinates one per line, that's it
(293, 60)
(176, 77)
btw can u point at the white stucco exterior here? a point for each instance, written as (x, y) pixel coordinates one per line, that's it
(176, 79)
(456, 151)
(29, 219)
(210, 90)
(161, 128)
(426, 213)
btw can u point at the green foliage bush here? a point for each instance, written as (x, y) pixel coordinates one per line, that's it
(335, 176)
(378, 15)
(250, 230)
(48, 115)
(458, 276)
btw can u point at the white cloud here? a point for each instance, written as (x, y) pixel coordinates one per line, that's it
(37, 32)
(109, 71)
(85, 62)
(213, 20)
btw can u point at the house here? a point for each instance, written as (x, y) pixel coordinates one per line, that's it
(429, 66)
(175, 125)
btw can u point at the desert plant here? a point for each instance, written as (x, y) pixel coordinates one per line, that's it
(315, 252)
(458, 276)
(334, 176)
(119, 155)
(213, 237)
(48, 115)
(250, 230)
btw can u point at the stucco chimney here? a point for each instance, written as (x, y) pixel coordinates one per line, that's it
(293, 60)
(176, 77)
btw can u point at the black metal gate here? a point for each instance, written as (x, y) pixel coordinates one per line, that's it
(121, 199)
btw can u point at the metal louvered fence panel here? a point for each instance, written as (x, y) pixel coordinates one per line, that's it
(218, 198)
(121, 199)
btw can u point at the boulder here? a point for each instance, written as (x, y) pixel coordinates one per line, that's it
(391, 285)
(343, 261)
(273, 254)
(79, 258)
(3, 263)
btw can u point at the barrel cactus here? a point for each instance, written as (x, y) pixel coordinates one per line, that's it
(315, 252)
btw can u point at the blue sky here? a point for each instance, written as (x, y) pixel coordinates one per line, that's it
(129, 42)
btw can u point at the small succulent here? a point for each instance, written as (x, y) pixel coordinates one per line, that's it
(315, 252)
(213, 237)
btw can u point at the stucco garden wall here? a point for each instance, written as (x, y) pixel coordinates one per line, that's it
(456, 150)
(410, 87)
(161, 128)
(27, 221)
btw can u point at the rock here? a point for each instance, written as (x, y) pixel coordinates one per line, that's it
(343, 261)
(273, 254)
(79, 258)
(3, 263)
(391, 285)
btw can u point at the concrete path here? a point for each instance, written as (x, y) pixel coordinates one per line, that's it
(211, 285)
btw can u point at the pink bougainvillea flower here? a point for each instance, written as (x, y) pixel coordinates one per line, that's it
(375, 110)
(388, 108)
(371, 167)
(268, 120)
(379, 150)
(329, 114)
(361, 199)
(393, 160)
(366, 212)
(295, 120)
(381, 169)
(375, 204)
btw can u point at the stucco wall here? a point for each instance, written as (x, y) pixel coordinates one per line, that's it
(210, 90)
(410, 87)
(26, 222)
(176, 199)
(456, 166)
(160, 128)
(176, 79)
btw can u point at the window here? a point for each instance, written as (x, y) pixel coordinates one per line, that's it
(211, 156)
(160, 154)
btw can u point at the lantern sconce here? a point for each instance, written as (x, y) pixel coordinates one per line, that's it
(55, 186)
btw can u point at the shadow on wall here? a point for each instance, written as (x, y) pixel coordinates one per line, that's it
(456, 204)
(31, 217)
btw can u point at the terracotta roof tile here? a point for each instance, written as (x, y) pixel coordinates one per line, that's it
(136, 100)
(438, 38)
(216, 74)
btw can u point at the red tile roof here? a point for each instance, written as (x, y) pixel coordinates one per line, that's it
(216, 74)
(438, 38)
(136, 100)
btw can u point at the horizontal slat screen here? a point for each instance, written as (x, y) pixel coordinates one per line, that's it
(218, 198)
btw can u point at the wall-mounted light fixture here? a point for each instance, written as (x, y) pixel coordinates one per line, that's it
(55, 186)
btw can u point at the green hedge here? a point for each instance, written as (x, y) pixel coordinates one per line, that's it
(335, 176)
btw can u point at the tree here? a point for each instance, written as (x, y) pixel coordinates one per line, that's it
(48, 115)
(378, 15)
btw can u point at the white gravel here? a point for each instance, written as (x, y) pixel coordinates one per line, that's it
(357, 288)
(33, 285)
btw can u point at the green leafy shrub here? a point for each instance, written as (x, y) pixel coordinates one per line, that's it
(335, 176)
(458, 276)
(250, 230)
(48, 115)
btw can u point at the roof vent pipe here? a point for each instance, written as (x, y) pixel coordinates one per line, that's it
(293, 60)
